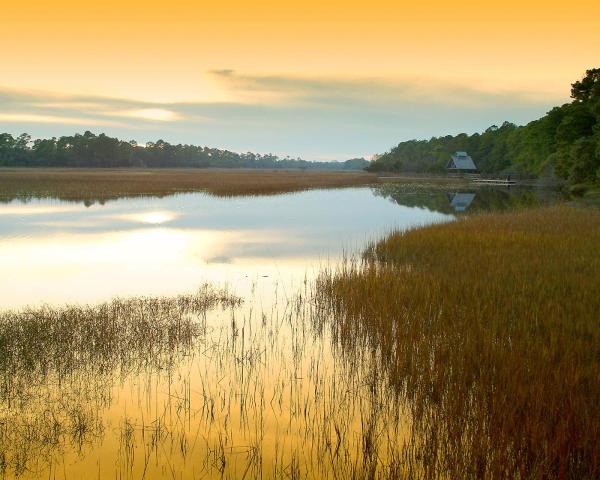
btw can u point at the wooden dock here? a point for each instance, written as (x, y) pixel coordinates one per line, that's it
(495, 181)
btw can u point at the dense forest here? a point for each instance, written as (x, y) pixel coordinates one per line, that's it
(102, 151)
(566, 142)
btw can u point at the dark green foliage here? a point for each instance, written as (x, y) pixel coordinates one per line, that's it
(488, 149)
(567, 139)
(13, 150)
(102, 151)
(588, 88)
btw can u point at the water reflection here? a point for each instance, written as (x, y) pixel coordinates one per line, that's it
(460, 201)
(57, 252)
(466, 200)
(189, 387)
(166, 388)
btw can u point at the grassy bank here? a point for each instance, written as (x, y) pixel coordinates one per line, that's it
(488, 328)
(104, 184)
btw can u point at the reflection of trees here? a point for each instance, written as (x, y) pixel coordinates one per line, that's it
(484, 199)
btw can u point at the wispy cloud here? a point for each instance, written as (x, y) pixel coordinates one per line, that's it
(68, 105)
(370, 91)
(51, 107)
(153, 114)
(55, 119)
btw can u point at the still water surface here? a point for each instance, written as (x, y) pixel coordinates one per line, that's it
(53, 251)
(259, 390)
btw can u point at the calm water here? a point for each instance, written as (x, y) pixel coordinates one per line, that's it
(53, 251)
(260, 390)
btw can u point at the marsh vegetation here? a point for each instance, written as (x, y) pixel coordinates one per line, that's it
(105, 184)
(466, 349)
(196, 386)
(488, 329)
(59, 365)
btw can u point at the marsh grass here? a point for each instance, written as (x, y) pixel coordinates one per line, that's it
(59, 339)
(59, 364)
(462, 350)
(488, 329)
(104, 184)
(175, 393)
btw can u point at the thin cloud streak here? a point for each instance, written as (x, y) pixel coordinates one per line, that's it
(54, 119)
(153, 114)
(332, 91)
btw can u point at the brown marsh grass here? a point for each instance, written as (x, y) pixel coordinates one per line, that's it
(58, 366)
(163, 388)
(252, 394)
(59, 338)
(463, 350)
(104, 184)
(488, 328)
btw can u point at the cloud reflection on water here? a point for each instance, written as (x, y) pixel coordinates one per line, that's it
(58, 252)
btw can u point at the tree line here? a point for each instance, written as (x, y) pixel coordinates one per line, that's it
(102, 151)
(566, 142)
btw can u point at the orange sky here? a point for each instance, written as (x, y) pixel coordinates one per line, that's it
(163, 51)
(160, 50)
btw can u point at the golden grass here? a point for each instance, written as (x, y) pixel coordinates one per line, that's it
(173, 390)
(58, 364)
(64, 338)
(102, 184)
(462, 350)
(489, 329)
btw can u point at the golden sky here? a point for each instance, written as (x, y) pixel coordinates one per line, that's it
(165, 51)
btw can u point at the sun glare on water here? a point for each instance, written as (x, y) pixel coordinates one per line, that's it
(152, 218)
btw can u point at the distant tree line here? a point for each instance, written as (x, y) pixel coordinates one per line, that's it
(102, 151)
(565, 141)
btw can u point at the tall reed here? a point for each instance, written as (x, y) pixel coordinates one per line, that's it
(489, 329)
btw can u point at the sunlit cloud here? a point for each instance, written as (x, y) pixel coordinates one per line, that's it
(105, 107)
(54, 119)
(68, 105)
(338, 91)
(156, 114)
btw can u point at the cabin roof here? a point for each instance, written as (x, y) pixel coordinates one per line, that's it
(461, 161)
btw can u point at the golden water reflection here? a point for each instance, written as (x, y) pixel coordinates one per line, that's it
(57, 252)
(253, 392)
(83, 267)
(258, 390)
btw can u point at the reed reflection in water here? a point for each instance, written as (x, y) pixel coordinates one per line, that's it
(166, 385)
(188, 387)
